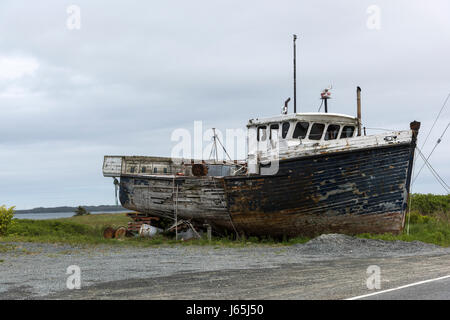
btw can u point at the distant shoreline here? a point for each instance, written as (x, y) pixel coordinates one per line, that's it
(104, 208)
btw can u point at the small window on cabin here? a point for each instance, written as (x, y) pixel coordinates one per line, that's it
(143, 169)
(155, 170)
(301, 128)
(285, 129)
(316, 131)
(332, 132)
(165, 170)
(347, 132)
(262, 133)
(273, 131)
(132, 169)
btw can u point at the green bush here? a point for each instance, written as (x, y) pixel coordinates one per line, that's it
(6, 219)
(428, 204)
(416, 217)
(80, 211)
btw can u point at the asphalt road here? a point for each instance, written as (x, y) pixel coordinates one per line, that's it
(328, 267)
(433, 289)
(334, 279)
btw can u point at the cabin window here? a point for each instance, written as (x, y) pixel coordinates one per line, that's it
(347, 132)
(155, 170)
(143, 169)
(316, 131)
(301, 128)
(262, 133)
(285, 129)
(332, 132)
(273, 131)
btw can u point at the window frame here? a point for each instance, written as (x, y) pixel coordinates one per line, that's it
(342, 130)
(322, 134)
(307, 130)
(285, 136)
(258, 138)
(270, 129)
(337, 134)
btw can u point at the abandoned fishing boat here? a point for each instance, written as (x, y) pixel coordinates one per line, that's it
(305, 174)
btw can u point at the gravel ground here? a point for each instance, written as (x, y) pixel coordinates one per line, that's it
(34, 270)
(341, 245)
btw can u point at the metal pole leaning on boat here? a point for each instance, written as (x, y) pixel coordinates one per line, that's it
(176, 215)
(175, 206)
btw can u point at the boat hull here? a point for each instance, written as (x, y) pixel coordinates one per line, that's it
(347, 192)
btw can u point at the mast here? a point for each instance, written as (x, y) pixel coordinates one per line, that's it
(295, 76)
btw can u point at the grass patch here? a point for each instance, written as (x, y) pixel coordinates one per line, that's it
(88, 230)
(100, 220)
(74, 230)
(430, 229)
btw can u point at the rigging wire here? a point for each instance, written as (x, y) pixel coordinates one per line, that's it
(225, 150)
(439, 114)
(214, 148)
(381, 129)
(320, 107)
(435, 174)
(437, 142)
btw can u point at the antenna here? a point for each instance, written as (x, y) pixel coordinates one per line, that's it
(295, 76)
(325, 95)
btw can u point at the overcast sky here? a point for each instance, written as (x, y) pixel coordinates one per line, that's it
(137, 70)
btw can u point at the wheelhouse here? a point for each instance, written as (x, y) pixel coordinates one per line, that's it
(308, 127)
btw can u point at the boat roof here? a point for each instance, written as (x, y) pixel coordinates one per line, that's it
(306, 116)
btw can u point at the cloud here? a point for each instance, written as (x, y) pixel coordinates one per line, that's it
(12, 68)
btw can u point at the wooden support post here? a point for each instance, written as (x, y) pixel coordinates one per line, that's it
(208, 231)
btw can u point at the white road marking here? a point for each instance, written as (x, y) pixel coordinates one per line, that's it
(398, 288)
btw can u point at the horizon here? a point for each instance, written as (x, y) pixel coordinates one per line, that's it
(123, 77)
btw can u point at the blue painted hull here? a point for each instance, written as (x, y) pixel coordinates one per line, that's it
(351, 192)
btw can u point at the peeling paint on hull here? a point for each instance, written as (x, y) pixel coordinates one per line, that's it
(353, 192)
(346, 192)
